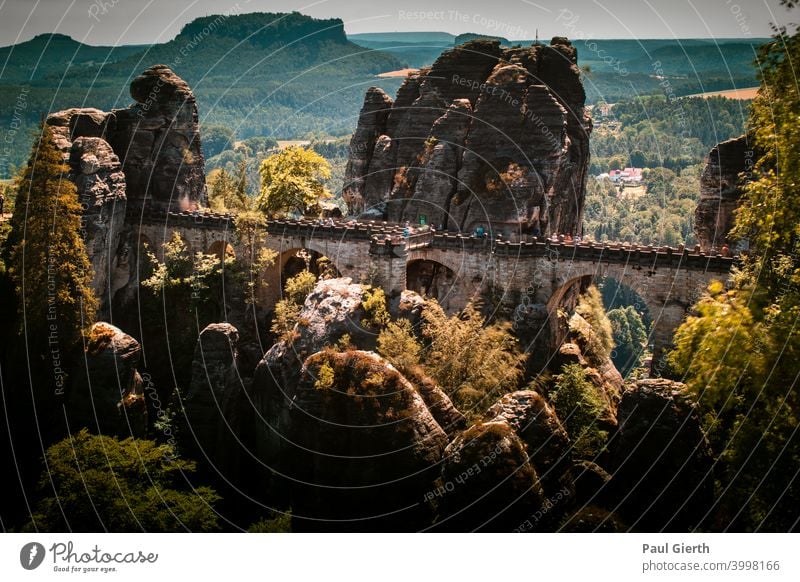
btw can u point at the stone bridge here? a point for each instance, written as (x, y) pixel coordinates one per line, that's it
(532, 278)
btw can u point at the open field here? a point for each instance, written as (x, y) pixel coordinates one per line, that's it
(746, 93)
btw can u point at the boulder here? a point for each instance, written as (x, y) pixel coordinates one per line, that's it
(660, 459)
(334, 309)
(106, 393)
(361, 447)
(536, 423)
(488, 483)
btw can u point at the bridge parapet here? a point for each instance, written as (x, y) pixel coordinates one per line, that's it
(394, 240)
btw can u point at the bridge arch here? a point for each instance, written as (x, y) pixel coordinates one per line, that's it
(221, 249)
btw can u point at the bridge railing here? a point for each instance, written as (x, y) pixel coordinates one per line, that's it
(386, 237)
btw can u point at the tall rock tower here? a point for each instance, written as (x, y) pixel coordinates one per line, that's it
(486, 137)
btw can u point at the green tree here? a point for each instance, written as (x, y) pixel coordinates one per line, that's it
(251, 233)
(242, 199)
(474, 363)
(630, 338)
(48, 261)
(216, 139)
(579, 407)
(397, 343)
(220, 189)
(292, 181)
(287, 310)
(99, 483)
(740, 352)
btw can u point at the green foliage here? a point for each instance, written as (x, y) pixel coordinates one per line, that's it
(100, 483)
(325, 377)
(216, 139)
(579, 407)
(740, 351)
(630, 338)
(397, 344)
(376, 314)
(473, 363)
(291, 181)
(251, 234)
(663, 215)
(280, 523)
(597, 336)
(47, 257)
(298, 287)
(287, 310)
(285, 317)
(180, 275)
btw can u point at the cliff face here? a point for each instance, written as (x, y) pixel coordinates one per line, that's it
(721, 190)
(146, 155)
(156, 140)
(487, 137)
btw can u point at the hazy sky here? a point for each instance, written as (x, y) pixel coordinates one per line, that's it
(145, 21)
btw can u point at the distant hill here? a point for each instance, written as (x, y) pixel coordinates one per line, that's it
(285, 75)
(468, 36)
(53, 54)
(403, 37)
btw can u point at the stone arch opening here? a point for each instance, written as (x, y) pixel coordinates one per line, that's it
(632, 327)
(431, 279)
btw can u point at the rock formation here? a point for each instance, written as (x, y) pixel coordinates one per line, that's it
(721, 190)
(146, 155)
(157, 140)
(485, 136)
(488, 482)
(536, 423)
(349, 435)
(216, 402)
(660, 459)
(106, 393)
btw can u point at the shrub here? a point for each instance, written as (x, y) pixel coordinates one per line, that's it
(579, 407)
(102, 483)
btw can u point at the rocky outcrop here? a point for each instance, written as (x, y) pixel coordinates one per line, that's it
(365, 446)
(486, 136)
(106, 393)
(157, 140)
(97, 173)
(536, 423)
(216, 402)
(346, 434)
(364, 144)
(488, 483)
(146, 155)
(660, 459)
(721, 190)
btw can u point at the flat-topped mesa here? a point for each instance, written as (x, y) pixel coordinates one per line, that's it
(157, 140)
(721, 189)
(486, 137)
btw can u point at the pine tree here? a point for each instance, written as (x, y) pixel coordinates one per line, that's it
(48, 261)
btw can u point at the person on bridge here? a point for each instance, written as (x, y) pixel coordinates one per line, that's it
(480, 231)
